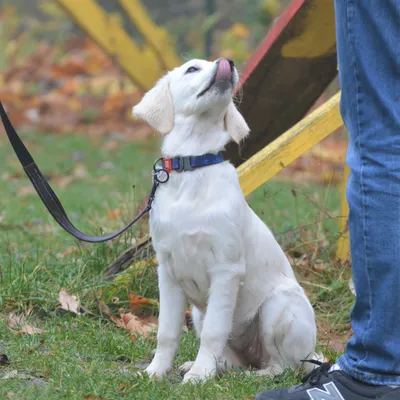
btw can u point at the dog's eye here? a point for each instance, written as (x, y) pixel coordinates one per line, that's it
(191, 70)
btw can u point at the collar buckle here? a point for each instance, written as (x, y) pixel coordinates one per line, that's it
(184, 164)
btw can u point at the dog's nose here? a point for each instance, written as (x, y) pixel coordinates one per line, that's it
(231, 63)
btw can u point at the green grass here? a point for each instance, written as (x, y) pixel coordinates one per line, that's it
(88, 355)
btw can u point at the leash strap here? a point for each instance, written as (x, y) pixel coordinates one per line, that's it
(49, 198)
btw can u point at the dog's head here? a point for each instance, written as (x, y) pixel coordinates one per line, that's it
(199, 89)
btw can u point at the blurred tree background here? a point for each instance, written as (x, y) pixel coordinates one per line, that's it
(53, 78)
(237, 26)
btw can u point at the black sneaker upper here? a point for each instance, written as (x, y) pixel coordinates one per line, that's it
(321, 384)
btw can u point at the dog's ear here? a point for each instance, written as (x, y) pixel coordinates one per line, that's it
(156, 107)
(235, 124)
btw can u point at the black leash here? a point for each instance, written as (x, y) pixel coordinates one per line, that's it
(49, 198)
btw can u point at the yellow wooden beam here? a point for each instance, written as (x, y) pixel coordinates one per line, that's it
(343, 245)
(141, 64)
(155, 36)
(290, 145)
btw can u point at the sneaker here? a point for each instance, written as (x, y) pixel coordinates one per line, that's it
(324, 383)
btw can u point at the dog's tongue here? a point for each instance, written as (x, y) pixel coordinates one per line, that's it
(224, 70)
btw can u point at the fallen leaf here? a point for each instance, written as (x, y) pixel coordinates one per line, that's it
(23, 327)
(62, 181)
(30, 330)
(337, 346)
(69, 302)
(122, 386)
(188, 318)
(140, 305)
(113, 214)
(111, 145)
(134, 325)
(117, 321)
(93, 397)
(26, 190)
(80, 171)
(68, 252)
(103, 307)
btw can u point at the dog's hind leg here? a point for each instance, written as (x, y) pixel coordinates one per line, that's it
(229, 357)
(288, 331)
(229, 360)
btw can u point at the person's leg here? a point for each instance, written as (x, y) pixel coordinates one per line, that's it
(368, 44)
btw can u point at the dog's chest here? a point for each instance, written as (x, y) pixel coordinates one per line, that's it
(184, 243)
(187, 261)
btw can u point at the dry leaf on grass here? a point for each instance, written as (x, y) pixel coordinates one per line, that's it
(67, 252)
(69, 302)
(103, 307)
(117, 321)
(113, 214)
(26, 190)
(80, 171)
(188, 319)
(140, 305)
(134, 325)
(337, 346)
(62, 181)
(23, 327)
(111, 145)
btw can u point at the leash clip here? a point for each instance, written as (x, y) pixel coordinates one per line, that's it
(160, 175)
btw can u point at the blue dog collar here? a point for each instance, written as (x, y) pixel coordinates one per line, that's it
(189, 163)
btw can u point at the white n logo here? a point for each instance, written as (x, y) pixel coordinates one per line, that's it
(331, 392)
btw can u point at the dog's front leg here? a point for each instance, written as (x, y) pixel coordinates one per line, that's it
(217, 326)
(172, 313)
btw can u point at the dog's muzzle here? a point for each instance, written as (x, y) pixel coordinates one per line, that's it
(223, 76)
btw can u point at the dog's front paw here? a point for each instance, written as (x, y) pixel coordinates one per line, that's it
(198, 374)
(156, 371)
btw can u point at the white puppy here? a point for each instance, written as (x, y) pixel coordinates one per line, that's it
(213, 250)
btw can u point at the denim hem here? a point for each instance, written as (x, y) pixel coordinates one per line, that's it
(373, 379)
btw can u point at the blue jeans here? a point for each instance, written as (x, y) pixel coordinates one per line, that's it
(368, 44)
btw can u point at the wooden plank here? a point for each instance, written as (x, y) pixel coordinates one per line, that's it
(343, 245)
(287, 73)
(291, 145)
(265, 164)
(141, 64)
(155, 36)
